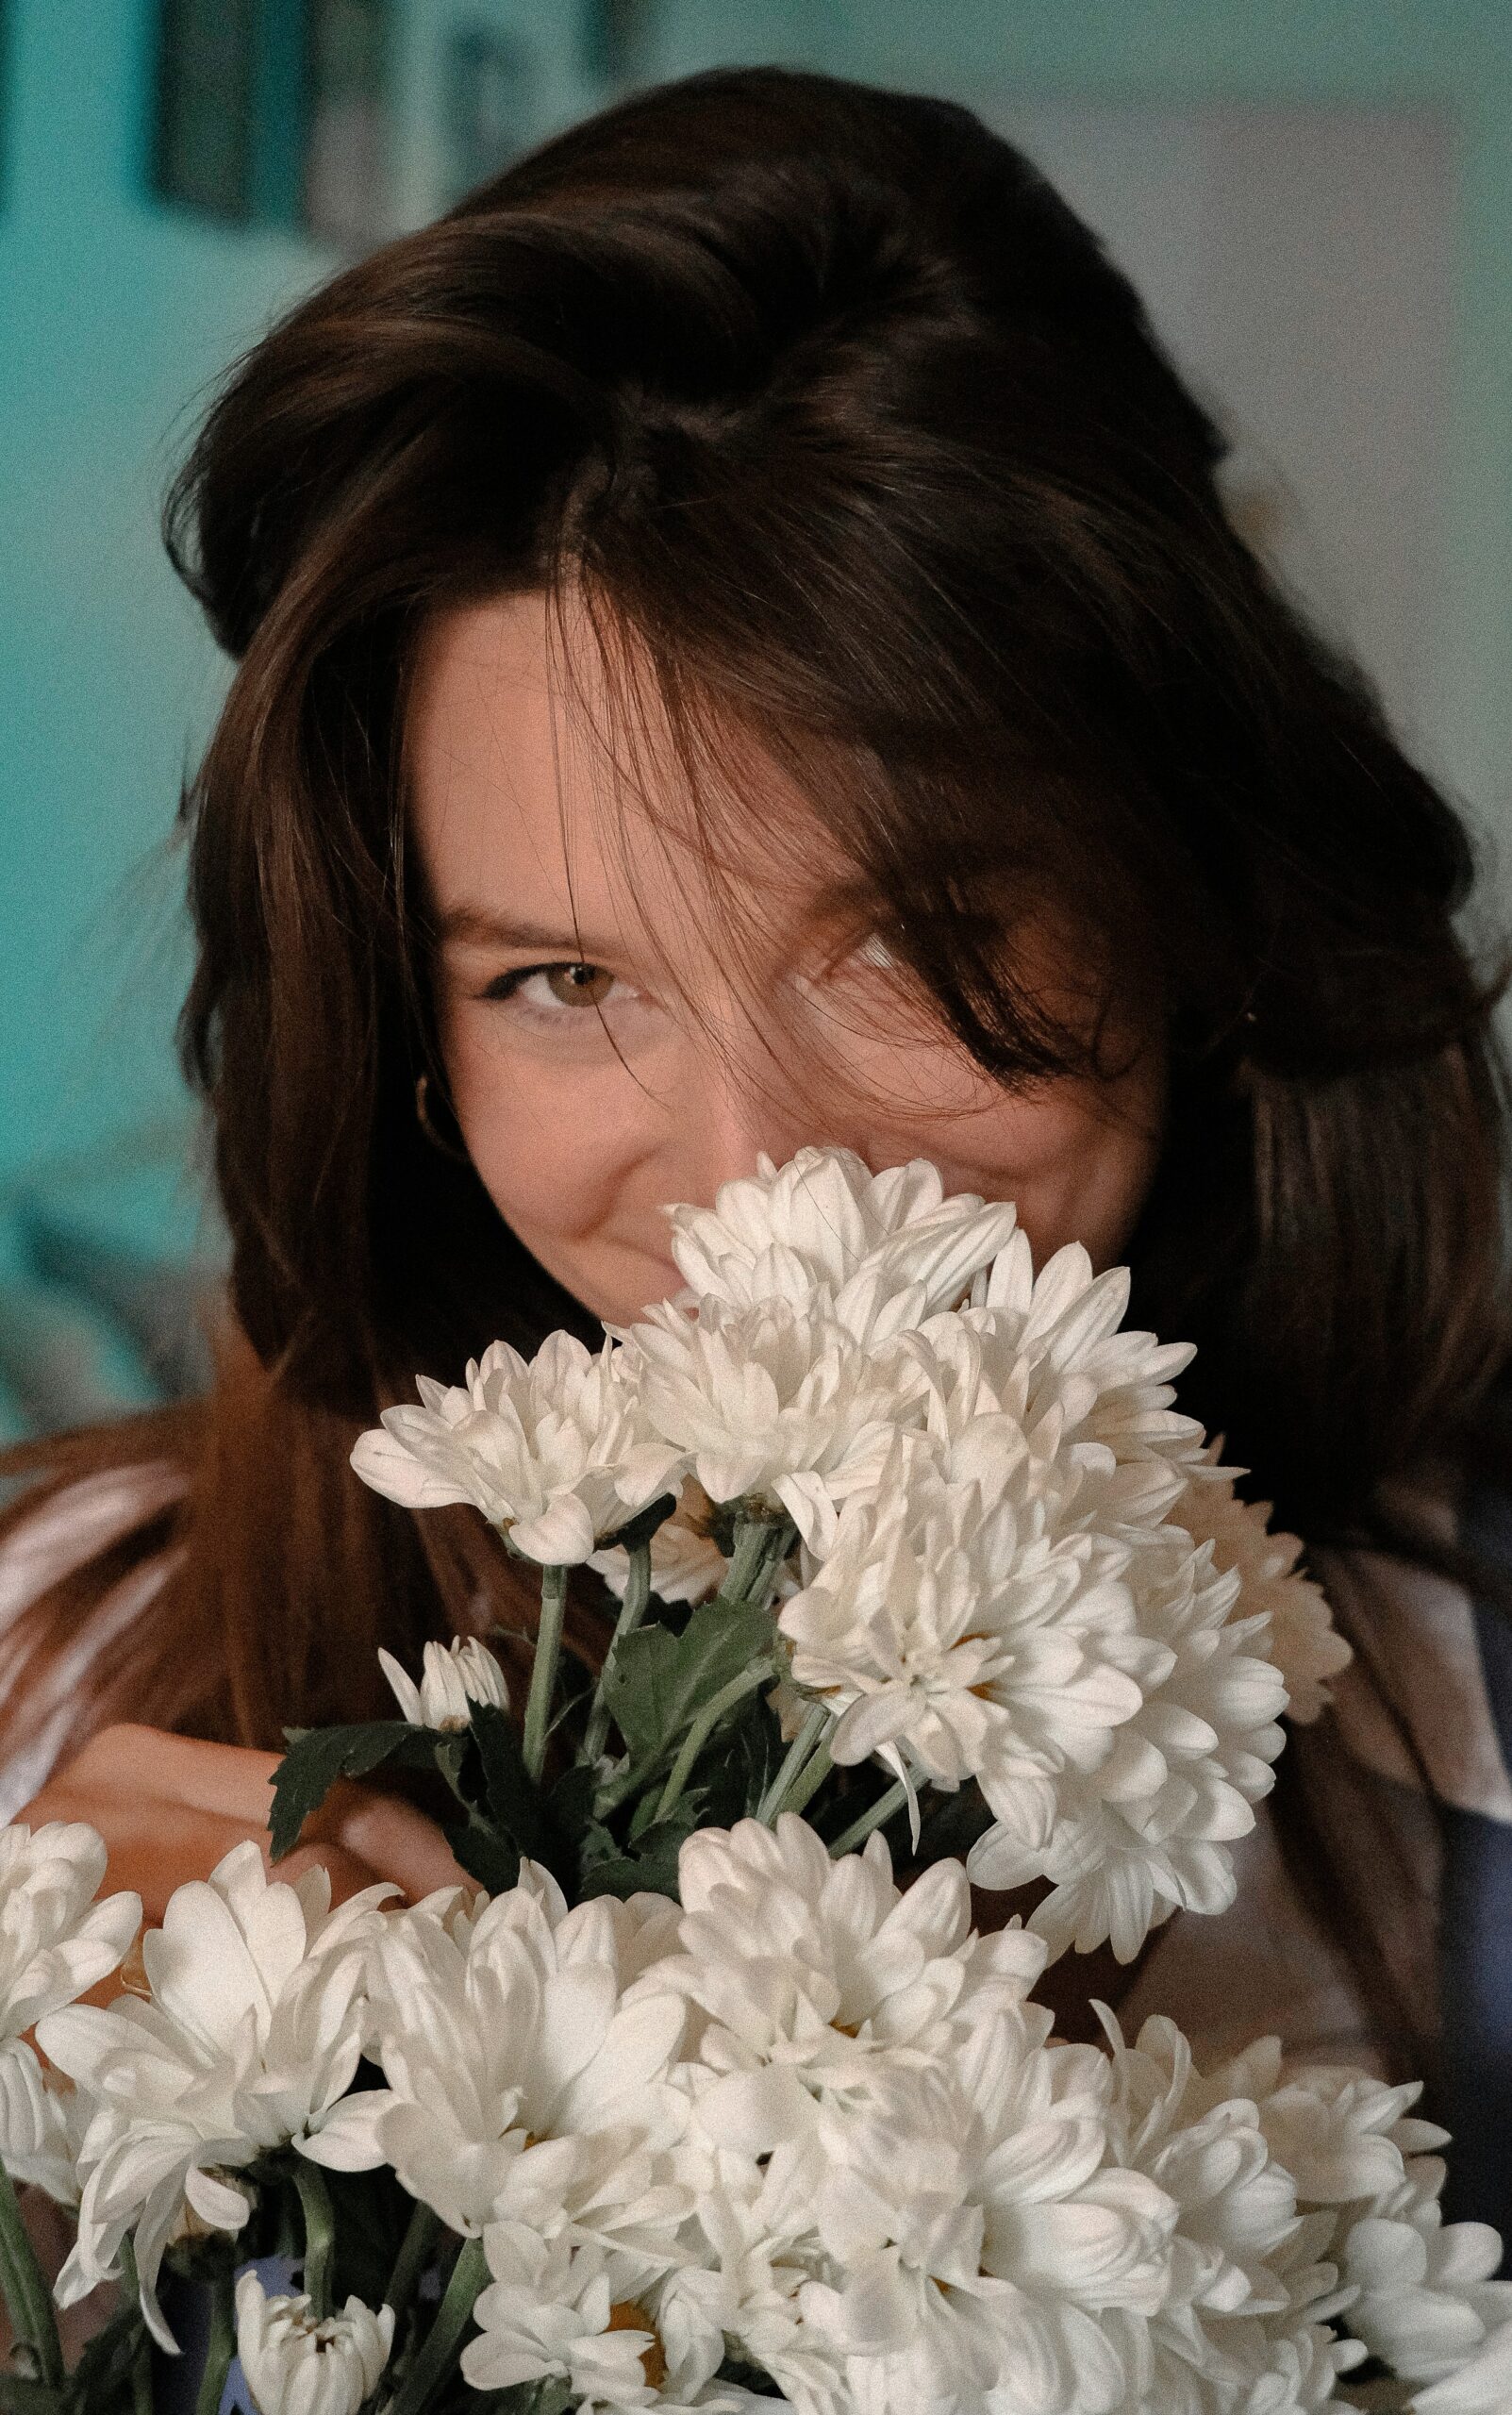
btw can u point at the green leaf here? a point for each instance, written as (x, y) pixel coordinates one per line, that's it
(511, 1796)
(752, 2377)
(649, 1865)
(21, 2396)
(511, 1818)
(317, 1757)
(571, 1805)
(487, 1856)
(102, 2378)
(372, 2214)
(521, 2398)
(656, 1681)
(737, 1775)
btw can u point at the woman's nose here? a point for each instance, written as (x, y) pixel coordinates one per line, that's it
(729, 1115)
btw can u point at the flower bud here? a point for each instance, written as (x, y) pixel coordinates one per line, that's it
(326, 2368)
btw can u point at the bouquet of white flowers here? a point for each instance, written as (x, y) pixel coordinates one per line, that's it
(689, 2104)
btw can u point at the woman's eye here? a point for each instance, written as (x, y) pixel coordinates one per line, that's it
(553, 992)
(871, 953)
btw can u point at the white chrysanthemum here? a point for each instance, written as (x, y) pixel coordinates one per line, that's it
(1482, 2386)
(955, 1634)
(765, 1401)
(55, 1942)
(552, 2312)
(1147, 1830)
(1368, 2250)
(453, 1676)
(1247, 2318)
(1344, 2134)
(745, 2258)
(816, 1977)
(1055, 1341)
(1302, 1639)
(1428, 2304)
(42, 2122)
(554, 1451)
(251, 2034)
(295, 2365)
(686, 1562)
(979, 2238)
(520, 2088)
(822, 1220)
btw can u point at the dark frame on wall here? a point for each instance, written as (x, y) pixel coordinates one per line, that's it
(275, 113)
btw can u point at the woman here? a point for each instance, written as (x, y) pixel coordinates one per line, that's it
(739, 644)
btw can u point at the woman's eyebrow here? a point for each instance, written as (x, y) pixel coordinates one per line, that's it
(469, 926)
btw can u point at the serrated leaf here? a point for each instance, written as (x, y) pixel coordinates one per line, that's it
(487, 1856)
(687, 1813)
(511, 1797)
(651, 1867)
(657, 1681)
(599, 1845)
(524, 1822)
(317, 1757)
(738, 1775)
(570, 1803)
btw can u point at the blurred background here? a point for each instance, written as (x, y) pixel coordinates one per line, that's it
(1313, 195)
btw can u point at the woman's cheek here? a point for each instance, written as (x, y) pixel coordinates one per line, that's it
(548, 1138)
(1079, 1171)
(1077, 1159)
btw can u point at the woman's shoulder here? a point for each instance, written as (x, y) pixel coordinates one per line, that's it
(64, 1530)
(52, 1529)
(1416, 1705)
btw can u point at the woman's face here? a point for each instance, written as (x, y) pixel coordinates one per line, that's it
(608, 1048)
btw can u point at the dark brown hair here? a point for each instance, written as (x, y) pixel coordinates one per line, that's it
(825, 397)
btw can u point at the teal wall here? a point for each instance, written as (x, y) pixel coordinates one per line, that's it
(116, 313)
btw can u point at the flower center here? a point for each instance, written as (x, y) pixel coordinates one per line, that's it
(626, 2316)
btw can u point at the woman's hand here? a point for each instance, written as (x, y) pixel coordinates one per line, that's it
(169, 1806)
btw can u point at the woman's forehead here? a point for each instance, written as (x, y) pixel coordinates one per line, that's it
(543, 780)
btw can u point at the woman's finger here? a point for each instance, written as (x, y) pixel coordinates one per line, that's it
(391, 1835)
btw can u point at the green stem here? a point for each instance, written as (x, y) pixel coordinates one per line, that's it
(703, 1727)
(33, 2322)
(221, 2345)
(543, 1671)
(438, 2352)
(881, 1811)
(813, 1778)
(412, 2259)
(761, 1546)
(141, 2380)
(142, 2356)
(774, 1799)
(319, 2235)
(632, 1610)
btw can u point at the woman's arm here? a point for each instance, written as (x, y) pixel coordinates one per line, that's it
(169, 1806)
